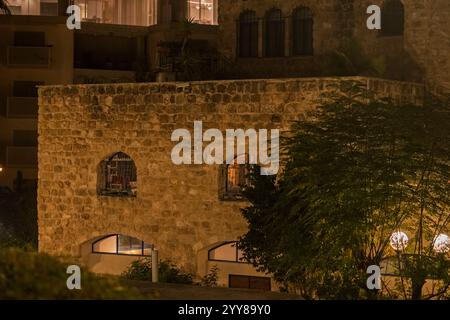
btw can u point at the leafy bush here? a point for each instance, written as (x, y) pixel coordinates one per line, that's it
(168, 272)
(210, 280)
(31, 275)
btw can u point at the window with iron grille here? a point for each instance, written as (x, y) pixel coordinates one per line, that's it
(248, 35)
(274, 33)
(392, 18)
(234, 178)
(302, 32)
(117, 176)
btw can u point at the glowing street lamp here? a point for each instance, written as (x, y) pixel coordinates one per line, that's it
(399, 241)
(441, 243)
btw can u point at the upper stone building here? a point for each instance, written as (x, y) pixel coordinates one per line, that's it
(273, 38)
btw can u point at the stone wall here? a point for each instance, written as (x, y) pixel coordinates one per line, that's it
(177, 208)
(421, 54)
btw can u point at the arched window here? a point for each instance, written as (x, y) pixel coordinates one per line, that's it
(235, 178)
(227, 251)
(248, 35)
(302, 32)
(117, 176)
(274, 33)
(392, 18)
(121, 244)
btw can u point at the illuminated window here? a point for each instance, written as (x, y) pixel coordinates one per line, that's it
(34, 7)
(302, 32)
(203, 11)
(274, 33)
(235, 178)
(120, 244)
(117, 176)
(392, 18)
(227, 251)
(126, 12)
(248, 35)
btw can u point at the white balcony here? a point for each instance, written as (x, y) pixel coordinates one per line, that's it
(22, 107)
(21, 156)
(29, 57)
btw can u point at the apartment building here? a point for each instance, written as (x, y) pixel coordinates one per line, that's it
(119, 41)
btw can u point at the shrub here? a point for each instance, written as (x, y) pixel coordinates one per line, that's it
(168, 272)
(31, 275)
(210, 280)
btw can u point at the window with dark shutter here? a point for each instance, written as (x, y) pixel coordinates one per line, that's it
(302, 32)
(248, 35)
(274, 33)
(392, 18)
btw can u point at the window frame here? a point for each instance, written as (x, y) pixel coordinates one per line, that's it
(248, 19)
(229, 261)
(215, 16)
(280, 39)
(103, 177)
(297, 17)
(117, 253)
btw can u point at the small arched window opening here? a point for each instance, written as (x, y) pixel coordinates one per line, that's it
(226, 251)
(392, 18)
(117, 176)
(274, 33)
(248, 35)
(122, 245)
(302, 32)
(234, 178)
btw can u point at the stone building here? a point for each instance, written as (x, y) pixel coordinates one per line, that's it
(109, 191)
(413, 44)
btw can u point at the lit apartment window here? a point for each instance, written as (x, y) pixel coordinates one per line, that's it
(34, 7)
(126, 12)
(121, 244)
(203, 11)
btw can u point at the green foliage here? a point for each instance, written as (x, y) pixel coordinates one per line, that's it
(141, 269)
(357, 170)
(210, 280)
(30, 275)
(18, 218)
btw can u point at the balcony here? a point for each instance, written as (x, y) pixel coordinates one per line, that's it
(29, 57)
(22, 107)
(21, 156)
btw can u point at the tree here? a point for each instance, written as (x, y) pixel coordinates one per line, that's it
(4, 7)
(358, 170)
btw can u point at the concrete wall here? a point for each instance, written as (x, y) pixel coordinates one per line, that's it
(177, 208)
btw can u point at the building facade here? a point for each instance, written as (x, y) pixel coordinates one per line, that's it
(110, 193)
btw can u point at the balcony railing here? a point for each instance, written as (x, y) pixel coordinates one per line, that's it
(21, 156)
(37, 57)
(22, 107)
